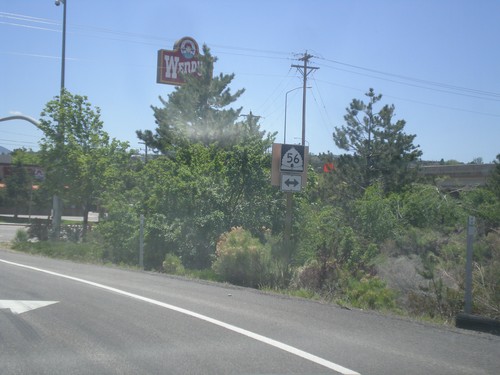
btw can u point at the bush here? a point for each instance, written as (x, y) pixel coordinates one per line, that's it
(21, 236)
(376, 215)
(243, 260)
(314, 275)
(73, 232)
(425, 206)
(419, 241)
(120, 234)
(39, 229)
(90, 251)
(370, 293)
(173, 265)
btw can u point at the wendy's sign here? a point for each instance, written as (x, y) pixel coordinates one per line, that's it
(172, 65)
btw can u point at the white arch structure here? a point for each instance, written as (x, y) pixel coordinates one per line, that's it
(21, 117)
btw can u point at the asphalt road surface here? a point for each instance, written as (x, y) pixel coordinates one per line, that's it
(86, 319)
(8, 231)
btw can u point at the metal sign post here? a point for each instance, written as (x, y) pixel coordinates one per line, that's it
(141, 242)
(471, 228)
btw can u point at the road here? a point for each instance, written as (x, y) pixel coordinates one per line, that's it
(103, 320)
(8, 231)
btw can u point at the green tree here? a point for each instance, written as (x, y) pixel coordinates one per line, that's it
(376, 215)
(26, 156)
(39, 199)
(379, 147)
(425, 206)
(19, 185)
(76, 153)
(194, 197)
(196, 111)
(213, 174)
(494, 180)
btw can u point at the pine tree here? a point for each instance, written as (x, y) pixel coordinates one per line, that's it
(195, 112)
(380, 148)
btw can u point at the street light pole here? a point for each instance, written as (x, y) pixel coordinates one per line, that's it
(56, 201)
(63, 57)
(289, 198)
(286, 101)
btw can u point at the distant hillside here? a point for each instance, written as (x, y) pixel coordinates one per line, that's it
(3, 150)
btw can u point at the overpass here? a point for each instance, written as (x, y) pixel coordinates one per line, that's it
(458, 176)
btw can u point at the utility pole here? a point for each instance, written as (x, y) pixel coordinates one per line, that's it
(304, 70)
(251, 118)
(145, 151)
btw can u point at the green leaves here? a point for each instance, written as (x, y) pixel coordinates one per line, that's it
(376, 215)
(76, 153)
(196, 112)
(378, 145)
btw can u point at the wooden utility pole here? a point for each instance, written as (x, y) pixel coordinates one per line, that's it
(304, 70)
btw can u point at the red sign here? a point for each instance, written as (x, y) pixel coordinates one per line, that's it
(328, 167)
(183, 59)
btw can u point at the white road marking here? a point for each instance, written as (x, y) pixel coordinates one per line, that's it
(266, 340)
(19, 307)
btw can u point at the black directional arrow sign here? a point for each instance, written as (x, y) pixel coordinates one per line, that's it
(291, 182)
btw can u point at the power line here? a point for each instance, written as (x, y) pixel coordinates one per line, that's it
(414, 101)
(305, 70)
(460, 90)
(14, 142)
(322, 108)
(260, 53)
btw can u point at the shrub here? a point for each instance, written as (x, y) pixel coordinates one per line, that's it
(90, 251)
(371, 293)
(425, 206)
(73, 232)
(173, 265)
(376, 215)
(419, 241)
(21, 236)
(242, 259)
(39, 229)
(313, 275)
(120, 234)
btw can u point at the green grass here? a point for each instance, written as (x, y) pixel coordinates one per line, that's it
(81, 252)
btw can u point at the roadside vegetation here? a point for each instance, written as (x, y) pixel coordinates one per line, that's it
(367, 234)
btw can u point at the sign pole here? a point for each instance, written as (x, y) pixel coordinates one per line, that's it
(141, 242)
(288, 171)
(288, 225)
(471, 224)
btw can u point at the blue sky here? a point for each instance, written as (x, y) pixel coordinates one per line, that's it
(438, 62)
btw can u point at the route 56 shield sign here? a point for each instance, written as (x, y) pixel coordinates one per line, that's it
(289, 167)
(292, 158)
